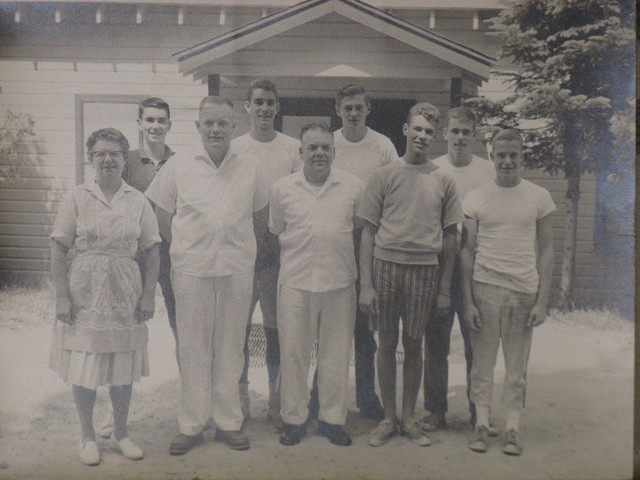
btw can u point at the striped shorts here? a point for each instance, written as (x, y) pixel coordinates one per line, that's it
(406, 291)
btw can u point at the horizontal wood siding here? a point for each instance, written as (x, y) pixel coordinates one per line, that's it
(42, 71)
(28, 204)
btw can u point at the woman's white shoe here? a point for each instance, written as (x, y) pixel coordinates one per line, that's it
(125, 446)
(89, 453)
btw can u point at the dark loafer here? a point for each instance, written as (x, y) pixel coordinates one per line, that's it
(291, 434)
(234, 439)
(183, 443)
(335, 433)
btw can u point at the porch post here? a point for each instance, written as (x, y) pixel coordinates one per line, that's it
(213, 82)
(456, 92)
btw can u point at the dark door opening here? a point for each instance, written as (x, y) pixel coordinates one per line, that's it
(387, 116)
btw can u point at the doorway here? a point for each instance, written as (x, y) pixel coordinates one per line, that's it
(387, 116)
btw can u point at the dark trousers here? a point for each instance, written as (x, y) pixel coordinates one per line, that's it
(437, 346)
(164, 279)
(365, 352)
(272, 350)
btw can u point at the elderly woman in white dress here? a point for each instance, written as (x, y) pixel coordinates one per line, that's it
(102, 301)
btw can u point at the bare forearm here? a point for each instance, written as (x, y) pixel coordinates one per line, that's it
(366, 255)
(467, 259)
(151, 270)
(545, 258)
(545, 270)
(448, 259)
(59, 269)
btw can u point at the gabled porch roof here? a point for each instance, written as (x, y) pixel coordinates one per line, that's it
(195, 59)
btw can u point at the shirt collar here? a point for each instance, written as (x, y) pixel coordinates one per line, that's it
(227, 158)
(144, 159)
(96, 191)
(332, 179)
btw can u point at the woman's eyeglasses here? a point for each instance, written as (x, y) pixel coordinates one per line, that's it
(113, 155)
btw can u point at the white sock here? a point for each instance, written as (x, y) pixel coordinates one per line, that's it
(482, 416)
(513, 419)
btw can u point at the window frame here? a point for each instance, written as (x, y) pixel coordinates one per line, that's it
(80, 101)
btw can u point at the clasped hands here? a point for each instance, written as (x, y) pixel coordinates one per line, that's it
(64, 309)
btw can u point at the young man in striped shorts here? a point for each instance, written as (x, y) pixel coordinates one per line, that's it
(411, 210)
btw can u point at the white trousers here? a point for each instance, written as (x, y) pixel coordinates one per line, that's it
(211, 318)
(303, 318)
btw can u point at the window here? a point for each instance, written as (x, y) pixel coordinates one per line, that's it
(100, 111)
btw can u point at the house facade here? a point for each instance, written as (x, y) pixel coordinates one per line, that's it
(78, 66)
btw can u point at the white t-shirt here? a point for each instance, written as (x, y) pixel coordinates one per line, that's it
(470, 176)
(363, 157)
(279, 157)
(506, 241)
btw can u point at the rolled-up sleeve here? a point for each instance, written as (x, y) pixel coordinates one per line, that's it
(469, 205)
(370, 205)
(149, 234)
(64, 228)
(452, 208)
(163, 190)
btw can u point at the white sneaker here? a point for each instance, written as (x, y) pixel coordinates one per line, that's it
(125, 446)
(89, 453)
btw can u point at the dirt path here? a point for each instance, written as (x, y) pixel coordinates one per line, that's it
(578, 421)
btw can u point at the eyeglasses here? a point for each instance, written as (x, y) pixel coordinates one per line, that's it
(113, 155)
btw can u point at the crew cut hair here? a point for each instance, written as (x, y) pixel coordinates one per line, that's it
(153, 102)
(323, 127)
(352, 90)
(211, 100)
(507, 134)
(425, 110)
(262, 84)
(462, 113)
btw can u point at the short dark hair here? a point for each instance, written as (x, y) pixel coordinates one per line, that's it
(507, 134)
(351, 90)
(425, 110)
(462, 113)
(262, 84)
(211, 100)
(108, 135)
(323, 127)
(153, 102)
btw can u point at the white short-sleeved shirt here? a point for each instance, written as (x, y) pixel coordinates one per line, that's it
(507, 229)
(315, 229)
(363, 157)
(279, 157)
(212, 229)
(470, 176)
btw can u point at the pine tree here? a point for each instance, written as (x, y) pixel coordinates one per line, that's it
(573, 96)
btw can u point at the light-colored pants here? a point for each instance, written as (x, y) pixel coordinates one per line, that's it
(304, 317)
(211, 321)
(504, 315)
